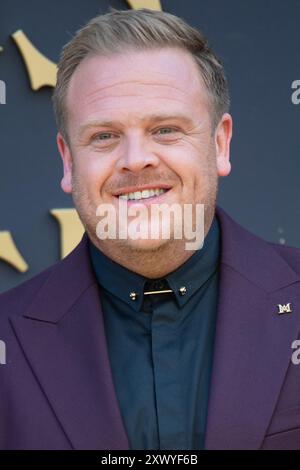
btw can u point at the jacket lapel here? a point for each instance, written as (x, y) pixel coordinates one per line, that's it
(253, 342)
(63, 338)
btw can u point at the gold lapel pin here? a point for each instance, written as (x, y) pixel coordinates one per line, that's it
(285, 308)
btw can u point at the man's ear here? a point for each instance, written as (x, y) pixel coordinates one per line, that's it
(65, 153)
(223, 136)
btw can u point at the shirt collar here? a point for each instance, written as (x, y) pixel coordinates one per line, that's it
(184, 281)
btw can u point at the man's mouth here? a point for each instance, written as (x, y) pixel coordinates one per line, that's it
(145, 194)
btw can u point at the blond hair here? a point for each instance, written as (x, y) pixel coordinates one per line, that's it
(118, 30)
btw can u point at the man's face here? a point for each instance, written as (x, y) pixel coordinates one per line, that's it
(141, 120)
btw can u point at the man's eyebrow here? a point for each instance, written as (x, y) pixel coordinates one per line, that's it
(150, 119)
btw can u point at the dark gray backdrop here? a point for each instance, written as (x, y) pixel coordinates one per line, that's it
(258, 41)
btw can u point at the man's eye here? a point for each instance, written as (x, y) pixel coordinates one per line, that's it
(166, 130)
(104, 139)
(167, 134)
(103, 136)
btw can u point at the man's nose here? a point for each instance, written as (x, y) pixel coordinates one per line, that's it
(137, 155)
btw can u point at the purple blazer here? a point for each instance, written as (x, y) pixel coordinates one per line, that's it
(56, 388)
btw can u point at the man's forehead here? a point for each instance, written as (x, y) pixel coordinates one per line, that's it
(104, 85)
(162, 67)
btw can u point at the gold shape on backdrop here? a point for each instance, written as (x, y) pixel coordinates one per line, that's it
(151, 4)
(41, 71)
(10, 253)
(71, 229)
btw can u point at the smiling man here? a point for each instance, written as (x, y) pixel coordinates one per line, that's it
(140, 343)
(140, 120)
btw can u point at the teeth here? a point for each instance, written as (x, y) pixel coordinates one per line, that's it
(146, 193)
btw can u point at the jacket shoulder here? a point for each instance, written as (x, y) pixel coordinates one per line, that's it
(16, 299)
(289, 253)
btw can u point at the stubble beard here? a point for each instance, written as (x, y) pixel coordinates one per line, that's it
(137, 256)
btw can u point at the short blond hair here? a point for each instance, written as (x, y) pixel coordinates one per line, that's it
(118, 30)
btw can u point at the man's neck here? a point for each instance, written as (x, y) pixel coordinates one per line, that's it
(152, 263)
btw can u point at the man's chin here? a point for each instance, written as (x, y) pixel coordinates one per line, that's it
(144, 245)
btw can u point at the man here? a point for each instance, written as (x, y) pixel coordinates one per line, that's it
(138, 342)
